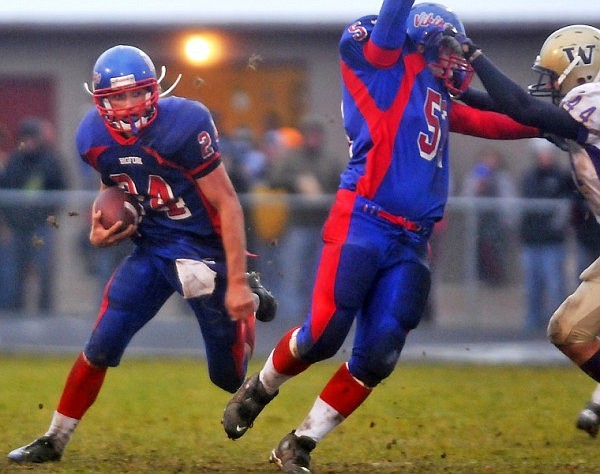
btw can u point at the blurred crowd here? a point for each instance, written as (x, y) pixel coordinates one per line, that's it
(286, 178)
(290, 174)
(31, 166)
(543, 229)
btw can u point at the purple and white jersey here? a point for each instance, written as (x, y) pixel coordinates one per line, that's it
(583, 104)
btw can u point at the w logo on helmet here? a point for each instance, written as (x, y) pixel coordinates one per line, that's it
(585, 53)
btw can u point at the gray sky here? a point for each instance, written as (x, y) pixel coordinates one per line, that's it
(281, 11)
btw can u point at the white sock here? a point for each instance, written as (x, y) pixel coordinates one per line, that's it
(256, 300)
(270, 378)
(321, 420)
(61, 429)
(596, 395)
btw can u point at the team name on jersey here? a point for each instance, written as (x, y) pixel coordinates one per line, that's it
(130, 160)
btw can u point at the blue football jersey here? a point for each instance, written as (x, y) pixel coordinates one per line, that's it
(396, 117)
(159, 167)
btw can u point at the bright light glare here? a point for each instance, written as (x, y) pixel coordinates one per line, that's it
(202, 49)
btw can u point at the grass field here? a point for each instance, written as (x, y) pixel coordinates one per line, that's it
(163, 416)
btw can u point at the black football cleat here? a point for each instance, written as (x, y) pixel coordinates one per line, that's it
(589, 419)
(41, 450)
(244, 407)
(267, 304)
(292, 455)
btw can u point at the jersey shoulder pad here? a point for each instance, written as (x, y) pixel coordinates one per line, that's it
(90, 132)
(359, 30)
(179, 118)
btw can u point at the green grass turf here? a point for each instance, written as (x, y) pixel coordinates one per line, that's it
(163, 416)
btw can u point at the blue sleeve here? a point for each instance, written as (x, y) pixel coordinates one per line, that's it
(85, 134)
(390, 30)
(200, 153)
(354, 38)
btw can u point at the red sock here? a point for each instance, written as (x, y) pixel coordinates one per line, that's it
(283, 360)
(243, 347)
(81, 388)
(344, 393)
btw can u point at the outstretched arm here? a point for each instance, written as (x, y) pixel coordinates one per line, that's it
(515, 102)
(479, 99)
(488, 124)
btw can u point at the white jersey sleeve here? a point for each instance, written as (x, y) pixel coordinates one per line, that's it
(583, 104)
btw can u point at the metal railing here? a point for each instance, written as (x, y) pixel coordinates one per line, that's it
(460, 297)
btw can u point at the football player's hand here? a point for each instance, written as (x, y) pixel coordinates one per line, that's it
(239, 300)
(101, 237)
(560, 142)
(469, 49)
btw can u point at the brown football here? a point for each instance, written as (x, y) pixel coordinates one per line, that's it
(116, 205)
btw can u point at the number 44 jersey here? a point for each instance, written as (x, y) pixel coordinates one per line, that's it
(583, 104)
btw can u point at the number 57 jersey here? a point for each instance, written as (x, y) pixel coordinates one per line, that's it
(160, 167)
(396, 117)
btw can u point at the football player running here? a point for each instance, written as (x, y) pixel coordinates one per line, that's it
(398, 71)
(191, 239)
(569, 73)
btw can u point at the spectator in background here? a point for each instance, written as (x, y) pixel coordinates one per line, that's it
(587, 233)
(35, 166)
(307, 174)
(7, 266)
(269, 210)
(5, 145)
(543, 233)
(490, 179)
(249, 157)
(242, 158)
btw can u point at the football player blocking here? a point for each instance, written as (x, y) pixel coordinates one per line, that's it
(162, 151)
(569, 73)
(400, 71)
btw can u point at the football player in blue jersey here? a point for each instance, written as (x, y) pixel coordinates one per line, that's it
(191, 240)
(399, 70)
(569, 73)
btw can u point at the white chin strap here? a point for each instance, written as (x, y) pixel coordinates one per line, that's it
(568, 70)
(163, 71)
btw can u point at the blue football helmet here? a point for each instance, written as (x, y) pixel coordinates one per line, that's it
(433, 27)
(125, 68)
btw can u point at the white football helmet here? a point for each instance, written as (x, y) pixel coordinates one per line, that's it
(569, 57)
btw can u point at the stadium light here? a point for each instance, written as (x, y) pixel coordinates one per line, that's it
(203, 49)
